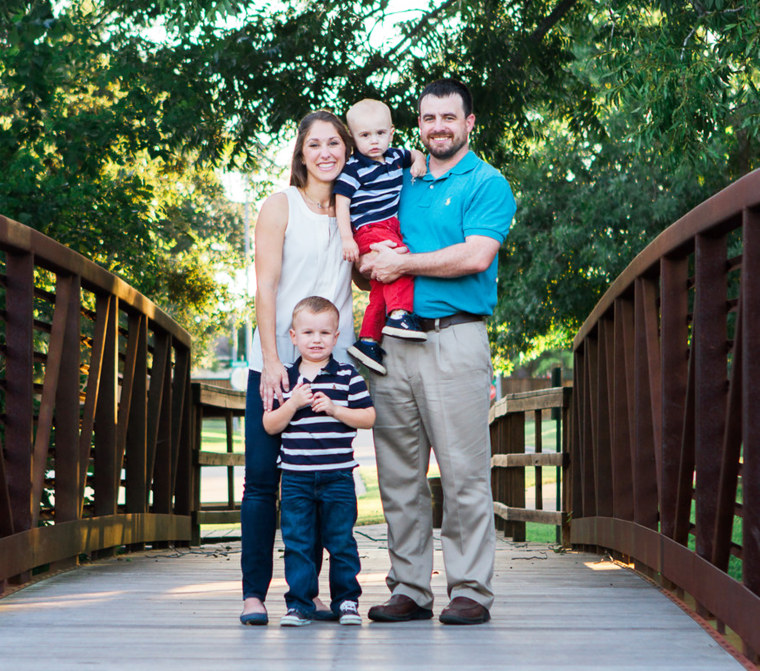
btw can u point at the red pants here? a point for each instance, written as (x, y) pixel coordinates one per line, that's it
(383, 298)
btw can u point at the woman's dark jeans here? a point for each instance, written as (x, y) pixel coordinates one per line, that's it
(258, 510)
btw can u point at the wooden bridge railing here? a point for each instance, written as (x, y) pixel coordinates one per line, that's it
(94, 411)
(212, 402)
(509, 460)
(96, 428)
(665, 444)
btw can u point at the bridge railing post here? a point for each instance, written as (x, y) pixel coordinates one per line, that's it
(214, 402)
(666, 444)
(92, 414)
(510, 458)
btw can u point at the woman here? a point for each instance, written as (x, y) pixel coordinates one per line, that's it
(298, 254)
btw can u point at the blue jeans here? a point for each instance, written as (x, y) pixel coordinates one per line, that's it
(258, 510)
(319, 503)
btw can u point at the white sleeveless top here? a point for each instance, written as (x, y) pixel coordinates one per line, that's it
(312, 265)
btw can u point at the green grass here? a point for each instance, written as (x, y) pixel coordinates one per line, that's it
(734, 563)
(548, 434)
(370, 509)
(214, 437)
(540, 533)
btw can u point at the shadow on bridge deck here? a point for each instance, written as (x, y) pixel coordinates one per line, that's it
(170, 610)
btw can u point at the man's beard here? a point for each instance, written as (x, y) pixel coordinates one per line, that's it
(443, 154)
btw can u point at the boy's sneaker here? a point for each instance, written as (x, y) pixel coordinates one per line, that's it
(405, 326)
(294, 618)
(370, 354)
(349, 613)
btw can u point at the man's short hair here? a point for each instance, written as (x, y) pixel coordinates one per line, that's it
(443, 88)
(316, 305)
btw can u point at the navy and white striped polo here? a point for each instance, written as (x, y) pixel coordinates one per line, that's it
(315, 441)
(372, 186)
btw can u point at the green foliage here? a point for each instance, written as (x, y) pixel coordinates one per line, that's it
(282, 63)
(687, 73)
(610, 119)
(108, 145)
(673, 119)
(584, 212)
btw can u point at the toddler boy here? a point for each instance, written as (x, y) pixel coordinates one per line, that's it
(318, 419)
(366, 206)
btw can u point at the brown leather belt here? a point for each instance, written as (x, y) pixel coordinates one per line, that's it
(451, 320)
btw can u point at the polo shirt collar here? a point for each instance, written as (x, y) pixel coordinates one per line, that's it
(331, 367)
(366, 161)
(465, 164)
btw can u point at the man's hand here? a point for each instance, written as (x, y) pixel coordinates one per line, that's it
(387, 264)
(366, 261)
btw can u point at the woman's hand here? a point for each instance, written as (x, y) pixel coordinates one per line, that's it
(274, 380)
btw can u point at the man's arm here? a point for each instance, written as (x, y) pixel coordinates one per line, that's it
(474, 255)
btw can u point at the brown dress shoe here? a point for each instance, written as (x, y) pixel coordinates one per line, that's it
(399, 608)
(462, 610)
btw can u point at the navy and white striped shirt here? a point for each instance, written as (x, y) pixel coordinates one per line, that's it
(372, 186)
(315, 441)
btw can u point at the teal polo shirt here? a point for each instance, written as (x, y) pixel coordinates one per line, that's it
(472, 198)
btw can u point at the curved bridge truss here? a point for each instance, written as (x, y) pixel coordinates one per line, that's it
(95, 401)
(665, 443)
(96, 430)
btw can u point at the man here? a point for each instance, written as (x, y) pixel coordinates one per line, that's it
(436, 393)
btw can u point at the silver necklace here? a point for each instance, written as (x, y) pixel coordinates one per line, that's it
(315, 203)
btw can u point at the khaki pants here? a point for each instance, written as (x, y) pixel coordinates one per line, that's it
(437, 394)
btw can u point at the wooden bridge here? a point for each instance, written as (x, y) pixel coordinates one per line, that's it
(660, 459)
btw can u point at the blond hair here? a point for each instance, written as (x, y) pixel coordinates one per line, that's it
(315, 305)
(367, 106)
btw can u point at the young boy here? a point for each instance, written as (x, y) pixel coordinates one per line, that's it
(318, 419)
(366, 206)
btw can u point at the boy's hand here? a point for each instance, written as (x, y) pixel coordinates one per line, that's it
(302, 395)
(322, 403)
(350, 250)
(418, 169)
(419, 164)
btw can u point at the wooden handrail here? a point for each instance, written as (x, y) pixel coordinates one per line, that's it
(95, 432)
(210, 401)
(509, 460)
(666, 412)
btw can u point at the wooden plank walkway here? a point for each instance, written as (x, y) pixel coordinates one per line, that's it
(169, 610)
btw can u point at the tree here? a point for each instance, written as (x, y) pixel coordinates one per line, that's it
(95, 124)
(279, 64)
(688, 74)
(610, 119)
(675, 120)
